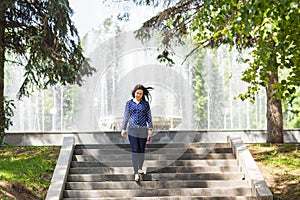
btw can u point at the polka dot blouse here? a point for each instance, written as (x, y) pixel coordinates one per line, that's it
(137, 115)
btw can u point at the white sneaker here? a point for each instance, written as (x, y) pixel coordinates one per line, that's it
(136, 177)
(140, 171)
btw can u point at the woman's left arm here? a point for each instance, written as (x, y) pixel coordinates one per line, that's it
(149, 120)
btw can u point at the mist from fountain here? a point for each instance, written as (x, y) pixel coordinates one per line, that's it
(122, 62)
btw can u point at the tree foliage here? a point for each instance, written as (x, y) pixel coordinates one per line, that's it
(46, 42)
(268, 29)
(40, 37)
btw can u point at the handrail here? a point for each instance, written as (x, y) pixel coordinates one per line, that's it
(55, 191)
(260, 188)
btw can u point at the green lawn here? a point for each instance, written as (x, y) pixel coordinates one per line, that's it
(26, 168)
(280, 166)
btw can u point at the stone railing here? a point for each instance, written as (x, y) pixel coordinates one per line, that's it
(59, 178)
(260, 188)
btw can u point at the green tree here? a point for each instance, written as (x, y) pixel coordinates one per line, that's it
(41, 37)
(268, 29)
(200, 91)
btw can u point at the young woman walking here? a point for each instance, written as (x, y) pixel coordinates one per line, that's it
(137, 116)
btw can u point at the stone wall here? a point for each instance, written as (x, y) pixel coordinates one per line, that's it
(211, 136)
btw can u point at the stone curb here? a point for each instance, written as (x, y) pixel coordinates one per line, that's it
(260, 188)
(59, 177)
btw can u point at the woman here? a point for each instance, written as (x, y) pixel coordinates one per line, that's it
(137, 115)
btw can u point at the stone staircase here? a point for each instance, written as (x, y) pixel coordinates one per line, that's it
(172, 171)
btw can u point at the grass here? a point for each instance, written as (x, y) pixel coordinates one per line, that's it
(280, 166)
(29, 167)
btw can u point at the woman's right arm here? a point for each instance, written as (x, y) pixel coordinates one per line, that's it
(125, 119)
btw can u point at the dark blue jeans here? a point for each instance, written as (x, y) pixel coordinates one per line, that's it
(138, 146)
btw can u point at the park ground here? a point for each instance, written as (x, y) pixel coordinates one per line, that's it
(30, 175)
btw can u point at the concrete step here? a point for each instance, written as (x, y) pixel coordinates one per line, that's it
(197, 150)
(157, 146)
(229, 192)
(176, 169)
(156, 177)
(173, 171)
(168, 198)
(156, 184)
(150, 156)
(156, 163)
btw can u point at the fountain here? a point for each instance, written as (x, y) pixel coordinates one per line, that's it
(121, 63)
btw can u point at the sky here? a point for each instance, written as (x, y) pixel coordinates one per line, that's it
(89, 14)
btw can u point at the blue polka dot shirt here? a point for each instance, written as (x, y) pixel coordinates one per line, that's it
(137, 115)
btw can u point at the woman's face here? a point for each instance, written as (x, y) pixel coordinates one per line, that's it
(138, 94)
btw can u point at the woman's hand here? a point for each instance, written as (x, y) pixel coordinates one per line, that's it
(123, 134)
(149, 133)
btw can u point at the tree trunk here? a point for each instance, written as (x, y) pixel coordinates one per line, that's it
(274, 113)
(2, 51)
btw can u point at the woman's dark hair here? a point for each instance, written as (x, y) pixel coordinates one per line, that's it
(146, 91)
